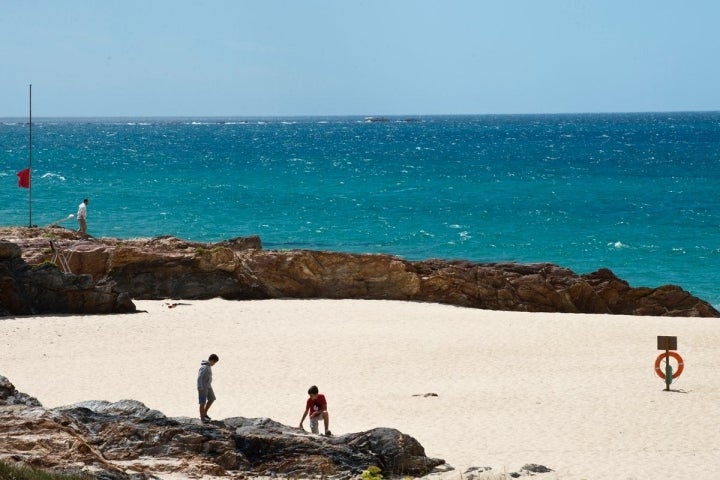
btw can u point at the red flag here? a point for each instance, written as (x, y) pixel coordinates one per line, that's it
(24, 178)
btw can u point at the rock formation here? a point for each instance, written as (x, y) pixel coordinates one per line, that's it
(125, 439)
(240, 269)
(42, 288)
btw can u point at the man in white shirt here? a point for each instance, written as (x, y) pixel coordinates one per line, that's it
(82, 216)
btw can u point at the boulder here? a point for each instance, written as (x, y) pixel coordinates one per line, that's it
(10, 396)
(43, 288)
(269, 447)
(125, 439)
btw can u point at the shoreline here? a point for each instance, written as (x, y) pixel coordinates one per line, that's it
(574, 392)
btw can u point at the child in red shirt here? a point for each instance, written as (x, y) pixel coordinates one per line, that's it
(316, 407)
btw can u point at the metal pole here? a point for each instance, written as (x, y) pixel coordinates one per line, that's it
(30, 166)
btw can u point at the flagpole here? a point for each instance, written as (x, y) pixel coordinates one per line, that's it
(30, 166)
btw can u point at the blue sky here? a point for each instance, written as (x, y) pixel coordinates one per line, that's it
(343, 57)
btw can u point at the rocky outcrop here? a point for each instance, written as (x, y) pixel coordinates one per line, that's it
(10, 396)
(42, 288)
(125, 439)
(240, 269)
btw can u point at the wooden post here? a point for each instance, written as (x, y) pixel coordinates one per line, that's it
(668, 378)
(667, 343)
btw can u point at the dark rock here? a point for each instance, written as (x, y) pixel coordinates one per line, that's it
(43, 288)
(473, 473)
(9, 251)
(268, 446)
(125, 439)
(10, 396)
(535, 468)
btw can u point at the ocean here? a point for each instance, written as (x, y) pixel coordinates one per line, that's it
(636, 193)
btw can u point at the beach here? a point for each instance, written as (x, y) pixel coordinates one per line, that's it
(574, 392)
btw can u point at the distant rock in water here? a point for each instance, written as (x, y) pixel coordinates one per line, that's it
(125, 439)
(107, 273)
(376, 120)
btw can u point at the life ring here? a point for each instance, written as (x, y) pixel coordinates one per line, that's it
(676, 356)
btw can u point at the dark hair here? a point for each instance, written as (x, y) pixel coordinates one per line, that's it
(213, 358)
(312, 390)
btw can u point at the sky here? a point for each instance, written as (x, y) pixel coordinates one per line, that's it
(253, 58)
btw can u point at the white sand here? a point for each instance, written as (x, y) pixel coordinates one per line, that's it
(576, 393)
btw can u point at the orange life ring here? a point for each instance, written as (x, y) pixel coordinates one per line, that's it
(676, 356)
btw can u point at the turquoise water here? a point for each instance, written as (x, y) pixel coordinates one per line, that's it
(632, 192)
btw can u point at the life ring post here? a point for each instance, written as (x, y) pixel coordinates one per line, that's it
(668, 343)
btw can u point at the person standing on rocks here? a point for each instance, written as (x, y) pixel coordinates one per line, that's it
(206, 396)
(82, 216)
(316, 407)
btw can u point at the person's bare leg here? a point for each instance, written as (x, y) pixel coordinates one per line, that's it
(326, 420)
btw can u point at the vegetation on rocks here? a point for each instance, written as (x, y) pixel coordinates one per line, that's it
(10, 471)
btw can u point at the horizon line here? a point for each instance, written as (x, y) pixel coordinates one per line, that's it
(357, 115)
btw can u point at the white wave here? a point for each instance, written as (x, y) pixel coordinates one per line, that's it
(53, 176)
(617, 245)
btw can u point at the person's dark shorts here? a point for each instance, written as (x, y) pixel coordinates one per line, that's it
(204, 397)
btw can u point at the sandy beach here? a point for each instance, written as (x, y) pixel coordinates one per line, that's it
(576, 393)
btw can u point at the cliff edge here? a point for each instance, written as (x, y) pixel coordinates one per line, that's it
(51, 270)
